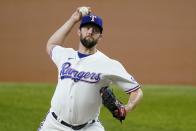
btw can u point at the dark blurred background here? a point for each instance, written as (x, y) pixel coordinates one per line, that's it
(154, 39)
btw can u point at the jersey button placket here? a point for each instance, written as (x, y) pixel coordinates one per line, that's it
(71, 101)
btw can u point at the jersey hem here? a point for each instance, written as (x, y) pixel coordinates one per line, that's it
(133, 89)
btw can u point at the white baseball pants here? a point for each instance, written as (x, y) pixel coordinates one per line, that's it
(51, 124)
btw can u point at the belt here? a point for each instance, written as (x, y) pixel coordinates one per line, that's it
(78, 127)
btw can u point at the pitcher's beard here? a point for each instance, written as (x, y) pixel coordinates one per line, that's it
(88, 43)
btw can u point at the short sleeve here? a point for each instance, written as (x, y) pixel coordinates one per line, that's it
(58, 53)
(123, 79)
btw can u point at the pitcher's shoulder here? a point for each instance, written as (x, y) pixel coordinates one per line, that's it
(107, 60)
(103, 56)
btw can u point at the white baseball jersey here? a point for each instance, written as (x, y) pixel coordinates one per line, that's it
(77, 99)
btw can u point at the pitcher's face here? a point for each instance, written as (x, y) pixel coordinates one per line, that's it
(89, 35)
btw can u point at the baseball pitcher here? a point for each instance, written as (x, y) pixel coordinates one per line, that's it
(84, 77)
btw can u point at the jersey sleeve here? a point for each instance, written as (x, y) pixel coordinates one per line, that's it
(58, 53)
(123, 79)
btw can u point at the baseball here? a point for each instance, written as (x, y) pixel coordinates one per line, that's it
(84, 11)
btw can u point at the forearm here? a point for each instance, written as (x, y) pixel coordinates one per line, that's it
(134, 99)
(59, 36)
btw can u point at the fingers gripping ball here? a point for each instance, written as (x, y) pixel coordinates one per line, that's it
(112, 104)
(84, 10)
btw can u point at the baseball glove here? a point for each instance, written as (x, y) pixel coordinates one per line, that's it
(112, 104)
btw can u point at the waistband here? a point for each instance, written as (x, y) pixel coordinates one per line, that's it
(74, 127)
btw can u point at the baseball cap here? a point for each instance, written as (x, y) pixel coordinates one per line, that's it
(92, 19)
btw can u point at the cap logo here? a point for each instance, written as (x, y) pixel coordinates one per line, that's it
(93, 18)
